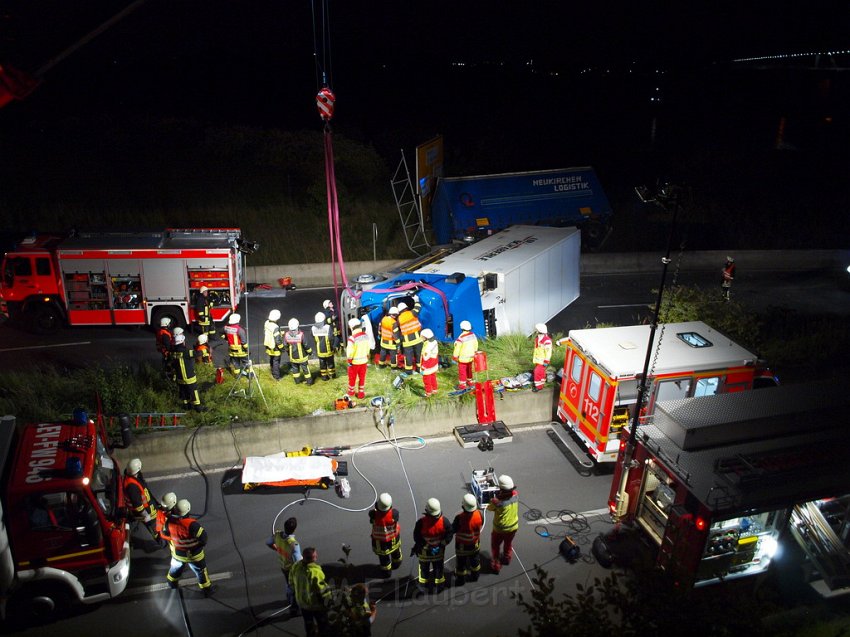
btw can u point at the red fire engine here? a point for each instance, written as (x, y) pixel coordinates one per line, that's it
(602, 368)
(64, 535)
(121, 278)
(718, 484)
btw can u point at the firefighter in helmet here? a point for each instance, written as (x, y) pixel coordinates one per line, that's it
(411, 333)
(727, 275)
(430, 536)
(237, 345)
(386, 538)
(357, 355)
(333, 323)
(202, 305)
(202, 350)
(541, 356)
(273, 342)
(142, 504)
(165, 342)
(324, 346)
(505, 507)
(430, 362)
(467, 527)
(390, 339)
(463, 354)
(166, 505)
(183, 363)
(299, 353)
(188, 539)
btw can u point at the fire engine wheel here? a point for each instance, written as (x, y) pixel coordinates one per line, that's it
(43, 319)
(40, 604)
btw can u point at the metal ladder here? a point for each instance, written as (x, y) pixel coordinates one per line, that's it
(409, 210)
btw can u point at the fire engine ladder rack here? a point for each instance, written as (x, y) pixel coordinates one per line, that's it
(822, 545)
(409, 210)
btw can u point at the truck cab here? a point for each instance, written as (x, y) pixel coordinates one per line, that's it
(30, 285)
(65, 535)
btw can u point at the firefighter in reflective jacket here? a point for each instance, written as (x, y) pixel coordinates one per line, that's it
(357, 355)
(505, 505)
(333, 323)
(386, 538)
(203, 311)
(322, 334)
(165, 341)
(430, 362)
(187, 538)
(541, 356)
(164, 511)
(299, 353)
(312, 592)
(430, 536)
(390, 339)
(273, 342)
(183, 363)
(464, 352)
(467, 527)
(289, 552)
(143, 506)
(411, 333)
(202, 350)
(237, 345)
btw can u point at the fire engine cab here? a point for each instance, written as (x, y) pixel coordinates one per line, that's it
(64, 536)
(602, 369)
(133, 278)
(718, 484)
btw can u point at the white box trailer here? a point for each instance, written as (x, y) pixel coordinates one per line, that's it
(527, 274)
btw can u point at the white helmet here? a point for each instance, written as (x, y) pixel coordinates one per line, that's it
(179, 339)
(234, 319)
(466, 326)
(541, 328)
(385, 502)
(402, 306)
(730, 259)
(274, 315)
(183, 507)
(320, 317)
(202, 338)
(293, 324)
(134, 466)
(432, 507)
(427, 333)
(469, 502)
(393, 310)
(165, 321)
(506, 482)
(178, 331)
(327, 304)
(354, 323)
(204, 288)
(169, 500)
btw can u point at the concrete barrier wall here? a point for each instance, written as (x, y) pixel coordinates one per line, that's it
(321, 274)
(171, 451)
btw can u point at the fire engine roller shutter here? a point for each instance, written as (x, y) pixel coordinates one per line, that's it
(165, 279)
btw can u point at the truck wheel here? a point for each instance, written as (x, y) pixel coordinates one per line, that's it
(43, 319)
(40, 604)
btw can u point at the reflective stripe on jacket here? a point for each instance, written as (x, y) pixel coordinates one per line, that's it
(465, 347)
(184, 360)
(271, 338)
(506, 517)
(385, 527)
(357, 348)
(390, 332)
(187, 539)
(410, 327)
(542, 349)
(139, 496)
(236, 340)
(467, 526)
(308, 581)
(286, 545)
(298, 350)
(430, 357)
(324, 341)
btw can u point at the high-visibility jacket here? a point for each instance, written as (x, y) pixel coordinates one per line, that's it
(164, 340)
(312, 592)
(139, 496)
(506, 517)
(385, 526)
(324, 340)
(333, 326)
(410, 327)
(271, 338)
(288, 549)
(299, 352)
(467, 527)
(431, 534)
(542, 349)
(187, 538)
(430, 356)
(465, 347)
(357, 348)
(390, 332)
(203, 309)
(237, 341)
(161, 520)
(184, 365)
(202, 353)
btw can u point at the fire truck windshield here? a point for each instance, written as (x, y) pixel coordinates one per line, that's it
(103, 483)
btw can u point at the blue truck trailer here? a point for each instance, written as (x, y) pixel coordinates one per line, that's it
(476, 207)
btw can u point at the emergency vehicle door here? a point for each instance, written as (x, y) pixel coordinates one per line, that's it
(25, 275)
(590, 400)
(62, 525)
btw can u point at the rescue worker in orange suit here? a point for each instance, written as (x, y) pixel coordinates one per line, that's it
(390, 339)
(463, 354)
(289, 552)
(299, 353)
(541, 356)
(726, 278)
(188, 539)
(203, 312)
(505, 505)
(273, 342)
(165, 342)
(467, 527)
(203, 354)
(386, 534)
(237, 345)
(357, 355)
(183, 362)
(411, 333)
(333, 323)
(430, 362)
(430, 536)
(142, 504)
(323, 336)
(163, 511)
